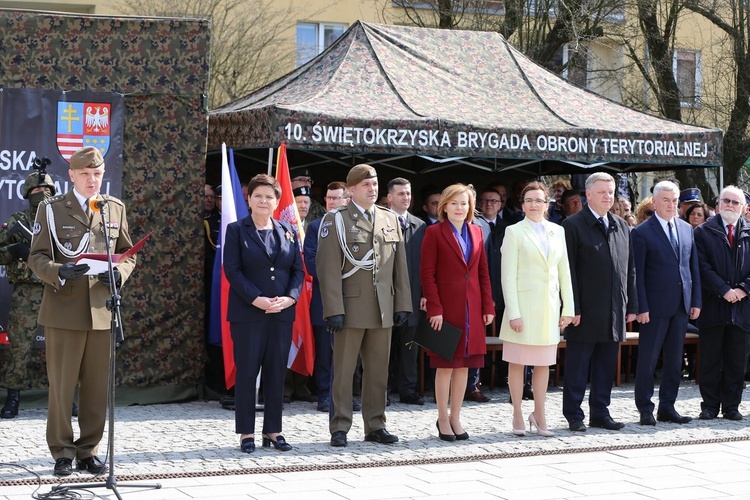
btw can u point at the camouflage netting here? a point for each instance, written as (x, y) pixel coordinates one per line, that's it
(161, 66)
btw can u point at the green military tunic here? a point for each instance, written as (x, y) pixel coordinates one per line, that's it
(21, 367)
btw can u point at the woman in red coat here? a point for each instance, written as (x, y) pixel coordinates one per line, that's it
(456, 286)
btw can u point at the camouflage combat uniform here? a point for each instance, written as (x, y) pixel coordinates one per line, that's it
(21, 366)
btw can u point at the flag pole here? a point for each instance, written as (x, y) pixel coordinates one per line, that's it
(270, 162)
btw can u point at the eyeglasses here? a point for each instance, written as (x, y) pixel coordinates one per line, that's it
(727, 201)
(534, 202)
(648, 213)
(488, 201)
(335, 198)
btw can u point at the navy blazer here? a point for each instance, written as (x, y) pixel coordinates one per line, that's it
(252, 273)
(413, 236)
(660, 277)
(310, 251)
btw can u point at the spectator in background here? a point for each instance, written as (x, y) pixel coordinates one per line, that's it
(689, 197)
(625, 206)
(208, 200)
(456, 285)
(696, 214)
(403, 362)
(535, 277)
(555, 213)
(303, 200)
(571, 203)
(644, 210)
(431, 200)
(337, 195)
(303, 178)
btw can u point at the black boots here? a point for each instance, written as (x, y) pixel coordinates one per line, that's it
(10, 409)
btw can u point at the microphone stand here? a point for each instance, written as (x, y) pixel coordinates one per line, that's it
(116, 338)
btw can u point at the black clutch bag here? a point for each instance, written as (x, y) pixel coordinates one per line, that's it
(443, 342)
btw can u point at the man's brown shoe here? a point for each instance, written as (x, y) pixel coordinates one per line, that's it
(476, 395)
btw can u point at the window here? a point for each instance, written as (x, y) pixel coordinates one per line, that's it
(686, 66)
(314, 38)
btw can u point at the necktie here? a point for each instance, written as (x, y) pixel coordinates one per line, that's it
(603, 224)
(730, 235)
(673, 239)
(402, 220)
(368, 215)
(87, 210)
(492, 226)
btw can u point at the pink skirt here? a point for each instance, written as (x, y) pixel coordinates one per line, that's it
(529, 355)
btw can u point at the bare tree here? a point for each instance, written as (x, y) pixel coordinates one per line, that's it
(249, 40)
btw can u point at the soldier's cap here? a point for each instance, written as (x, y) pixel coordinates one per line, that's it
(358, 173)
(689, 195)
(88, 157)
(33, 181)
(217, 191)
(301, 191)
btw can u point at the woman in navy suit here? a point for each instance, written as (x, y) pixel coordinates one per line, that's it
(263, 265)
(456, 286)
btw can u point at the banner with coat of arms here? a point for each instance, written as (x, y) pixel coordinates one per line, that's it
(39, 123)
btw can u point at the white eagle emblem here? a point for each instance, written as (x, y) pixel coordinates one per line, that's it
(97, 120)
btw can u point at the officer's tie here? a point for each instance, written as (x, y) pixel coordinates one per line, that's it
(88, 211)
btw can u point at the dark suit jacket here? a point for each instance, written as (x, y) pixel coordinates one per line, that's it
(660, 278)
(413, 236)
(450, 285)
(602, 270)
(493, 243)
(309, 253)
(252, 273)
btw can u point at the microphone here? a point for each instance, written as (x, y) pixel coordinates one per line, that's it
(96, 205)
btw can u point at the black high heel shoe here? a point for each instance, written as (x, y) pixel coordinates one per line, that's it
(460, 437)
(247, 445)
(444, 437)
(280, 443)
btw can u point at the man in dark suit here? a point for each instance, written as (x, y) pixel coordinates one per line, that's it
(431, 198)
(403, 365)
(669, 292)
(723, 243)
(603, 273)
(364, 283)
(336, 196)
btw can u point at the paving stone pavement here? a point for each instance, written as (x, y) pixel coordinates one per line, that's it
(197, 438)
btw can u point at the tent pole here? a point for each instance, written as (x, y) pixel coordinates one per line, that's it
(721, 177)
(270, 160)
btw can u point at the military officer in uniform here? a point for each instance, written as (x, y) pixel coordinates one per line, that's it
(364, 284)
(22, 367)
(73, 311)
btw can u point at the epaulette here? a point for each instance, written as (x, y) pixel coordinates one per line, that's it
(111, 199)
(386, 209)
(54, 199)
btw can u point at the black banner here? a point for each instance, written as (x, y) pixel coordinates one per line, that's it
(38, 123)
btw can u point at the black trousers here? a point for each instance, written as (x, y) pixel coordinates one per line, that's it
(722, 367)
(598, 359)
(403, 362)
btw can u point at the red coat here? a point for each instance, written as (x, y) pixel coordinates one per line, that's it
(450, 285)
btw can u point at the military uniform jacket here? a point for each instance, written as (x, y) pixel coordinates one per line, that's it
(17, 269)
(76, 304)
(368, 298)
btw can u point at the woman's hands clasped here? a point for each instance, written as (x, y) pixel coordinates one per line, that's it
(273, 305)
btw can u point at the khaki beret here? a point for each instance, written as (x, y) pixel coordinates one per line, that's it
(88, 157)
(358, 173)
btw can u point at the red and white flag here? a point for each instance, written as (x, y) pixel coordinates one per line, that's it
(302, 350)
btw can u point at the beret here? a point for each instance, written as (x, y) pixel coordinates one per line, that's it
(88, 157)
(358, 173)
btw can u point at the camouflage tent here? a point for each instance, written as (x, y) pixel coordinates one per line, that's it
(419, 100)
(161, 66)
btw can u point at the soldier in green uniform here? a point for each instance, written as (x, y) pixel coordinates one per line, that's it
(22, 367)
(73, 311)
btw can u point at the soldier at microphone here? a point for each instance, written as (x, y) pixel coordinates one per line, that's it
(73, 310)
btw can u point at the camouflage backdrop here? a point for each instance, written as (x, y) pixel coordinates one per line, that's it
(161, 66)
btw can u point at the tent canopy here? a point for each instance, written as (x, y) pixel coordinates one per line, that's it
(390, 94)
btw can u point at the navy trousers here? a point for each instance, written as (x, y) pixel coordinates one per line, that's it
(263, 345)
(323, 362)
(665, 335)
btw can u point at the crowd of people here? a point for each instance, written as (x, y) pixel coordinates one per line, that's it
(530, 263)
(557, 263)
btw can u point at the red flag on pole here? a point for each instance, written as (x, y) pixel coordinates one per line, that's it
(302, 350)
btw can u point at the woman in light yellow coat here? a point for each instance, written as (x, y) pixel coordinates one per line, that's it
(538, 302)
